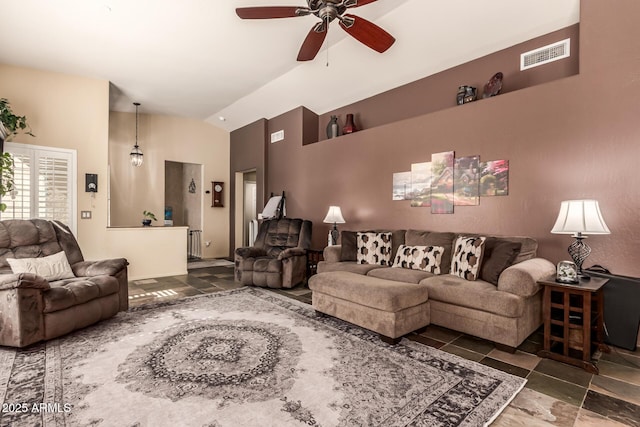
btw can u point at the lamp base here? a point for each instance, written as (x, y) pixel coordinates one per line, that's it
(334, 235)
(579, 251)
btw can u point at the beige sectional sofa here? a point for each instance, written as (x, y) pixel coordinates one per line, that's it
(503, 303)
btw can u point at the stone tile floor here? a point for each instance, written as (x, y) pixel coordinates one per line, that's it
(556, 394)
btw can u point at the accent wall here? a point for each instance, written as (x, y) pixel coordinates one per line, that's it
(569, 137)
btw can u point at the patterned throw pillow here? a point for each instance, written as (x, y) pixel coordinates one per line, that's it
(467, 257)
(374, 248)
(425, 258)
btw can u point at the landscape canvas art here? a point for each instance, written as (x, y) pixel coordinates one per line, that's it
(421, 184)
(466, 183)
(402, 186)
(494, 178)
(442, 182)
(447, 181)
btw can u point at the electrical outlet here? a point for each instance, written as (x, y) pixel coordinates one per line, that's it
(85, 214)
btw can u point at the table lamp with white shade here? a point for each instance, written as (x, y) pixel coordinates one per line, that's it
(580, 217)
(334, 216)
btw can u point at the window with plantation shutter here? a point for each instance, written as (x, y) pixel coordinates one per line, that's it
(44, 184)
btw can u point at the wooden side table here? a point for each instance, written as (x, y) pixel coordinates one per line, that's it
(573, 321)
(314, 256)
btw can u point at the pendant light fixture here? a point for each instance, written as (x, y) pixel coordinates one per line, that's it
(136, 153)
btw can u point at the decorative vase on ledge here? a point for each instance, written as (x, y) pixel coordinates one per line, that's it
(333, 129)
(493, 86)
(350, 125)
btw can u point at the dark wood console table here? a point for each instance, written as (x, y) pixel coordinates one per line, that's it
(573, 321)
(314, 256)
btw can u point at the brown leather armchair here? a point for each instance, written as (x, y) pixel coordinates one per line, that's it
(34, 308)
(278, 258)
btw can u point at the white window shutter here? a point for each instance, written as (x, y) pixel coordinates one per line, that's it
(43, 184)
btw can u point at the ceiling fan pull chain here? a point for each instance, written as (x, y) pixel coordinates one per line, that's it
(327, 19)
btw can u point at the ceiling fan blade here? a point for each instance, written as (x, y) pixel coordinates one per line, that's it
(312, 44)
(356, 3)
(268, 12)
(367, 32)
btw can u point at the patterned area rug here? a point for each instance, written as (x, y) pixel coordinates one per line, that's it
(246, 357)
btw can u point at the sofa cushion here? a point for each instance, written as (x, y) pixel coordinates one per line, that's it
(498, 255)
(425, 258)
(52, 267)
(349, 244)
(26, 239)
(67, 293)
(350, 266)
(467, 257)
(399, 274)
(528, 249)
(68, 242)
(433, 238)
(369, 291)
(374, 248)
(476, 294)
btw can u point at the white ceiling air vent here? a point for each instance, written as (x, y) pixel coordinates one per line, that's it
(545, 54)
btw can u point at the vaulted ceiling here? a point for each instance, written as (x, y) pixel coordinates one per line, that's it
(196, 58)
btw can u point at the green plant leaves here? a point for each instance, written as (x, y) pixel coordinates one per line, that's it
(6, 177)
(13, 123)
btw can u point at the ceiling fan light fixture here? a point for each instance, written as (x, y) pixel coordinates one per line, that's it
(136, 157)
(362, 30)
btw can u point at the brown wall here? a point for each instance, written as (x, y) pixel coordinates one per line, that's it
(173, 191)
(575, 137)
(248, 152)
(438, 92)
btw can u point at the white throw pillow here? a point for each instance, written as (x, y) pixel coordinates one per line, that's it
(425, 258)
(52, 267)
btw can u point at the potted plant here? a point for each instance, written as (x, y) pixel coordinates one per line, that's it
(10, 125)
(148, 216)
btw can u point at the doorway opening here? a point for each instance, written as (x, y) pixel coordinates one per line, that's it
(246, 214)
(183, 201)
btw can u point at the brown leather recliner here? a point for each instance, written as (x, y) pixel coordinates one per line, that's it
(278, 258)
(33, 308)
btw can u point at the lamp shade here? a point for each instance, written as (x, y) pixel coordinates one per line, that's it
(580, 216)
(334, 216)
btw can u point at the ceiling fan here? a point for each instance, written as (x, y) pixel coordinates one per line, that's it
(362, 30)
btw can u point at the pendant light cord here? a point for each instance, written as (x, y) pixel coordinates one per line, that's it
(136, 104)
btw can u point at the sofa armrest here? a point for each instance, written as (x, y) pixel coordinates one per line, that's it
(291, 252)
(250, 252)
(22, 309)
(109, 267)
(332, 253)
(23, 281)
(522, 278)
